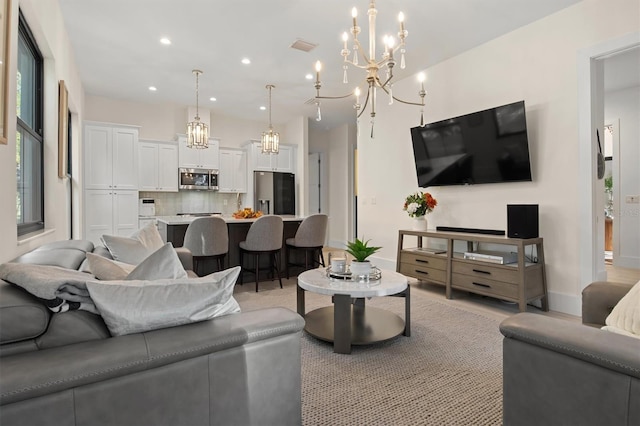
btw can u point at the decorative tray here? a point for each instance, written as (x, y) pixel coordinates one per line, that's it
(375, 275)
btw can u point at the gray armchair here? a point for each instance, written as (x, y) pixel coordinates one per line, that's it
(559, 372)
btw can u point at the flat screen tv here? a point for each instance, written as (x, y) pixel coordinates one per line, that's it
(487, 146)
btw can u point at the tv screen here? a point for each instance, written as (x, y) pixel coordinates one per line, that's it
(483, 147)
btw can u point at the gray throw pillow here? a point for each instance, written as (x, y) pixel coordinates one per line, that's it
(107, 269)
(136, 306)
(161, 264)
(136, 248)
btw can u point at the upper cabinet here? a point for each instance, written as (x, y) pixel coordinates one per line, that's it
(280, 162)
(193, 158)
(233, 171)
(110, 156)
(158, 166)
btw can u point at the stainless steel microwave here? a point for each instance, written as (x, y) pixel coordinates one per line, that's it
(198, 179)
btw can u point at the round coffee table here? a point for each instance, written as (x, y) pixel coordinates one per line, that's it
(347, 322)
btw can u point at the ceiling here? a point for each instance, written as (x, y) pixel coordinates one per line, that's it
(119, 55)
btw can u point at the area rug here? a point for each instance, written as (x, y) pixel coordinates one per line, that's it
(449, 372)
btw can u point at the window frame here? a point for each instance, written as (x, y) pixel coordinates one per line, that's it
(37, 133)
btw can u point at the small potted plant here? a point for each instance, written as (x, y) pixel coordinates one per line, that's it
(360, 250)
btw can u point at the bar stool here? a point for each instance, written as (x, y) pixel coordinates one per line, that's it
(310, 238)
(207, 237)
(264, 237)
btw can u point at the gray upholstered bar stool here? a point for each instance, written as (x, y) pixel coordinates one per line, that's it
(310, 238)
(264, 237)
(207, 237)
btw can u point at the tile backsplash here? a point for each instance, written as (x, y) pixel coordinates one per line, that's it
(172, 203)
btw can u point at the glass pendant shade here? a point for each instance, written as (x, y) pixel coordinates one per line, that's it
(197, 134)
(270, 142)
(270, 139)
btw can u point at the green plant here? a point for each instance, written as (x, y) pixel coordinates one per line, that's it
(360, 250)
(608, 184)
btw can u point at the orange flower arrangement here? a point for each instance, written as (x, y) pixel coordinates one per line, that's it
(419, 204)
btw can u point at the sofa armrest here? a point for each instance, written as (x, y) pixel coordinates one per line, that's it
(560, 372)
(599, 298)
(599, 347)
(81, 364)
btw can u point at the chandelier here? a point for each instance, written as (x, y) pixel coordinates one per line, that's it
(270, 139)
(197, 131)
(374, 80)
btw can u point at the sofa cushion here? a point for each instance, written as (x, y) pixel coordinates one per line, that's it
(68, 258)
(82, 245)
(625, 316)
(135, 306)
(21, 315)
(136, 248)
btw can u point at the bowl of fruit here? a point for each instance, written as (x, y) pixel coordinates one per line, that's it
(247, 213)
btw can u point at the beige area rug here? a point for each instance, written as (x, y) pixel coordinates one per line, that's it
(449, 372)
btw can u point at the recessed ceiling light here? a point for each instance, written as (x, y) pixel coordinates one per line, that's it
(262, 108)
(152, 88)
(246, 61)
(212, 99)
(165, 40)
(309, 77)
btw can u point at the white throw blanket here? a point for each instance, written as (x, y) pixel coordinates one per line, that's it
(59, 288)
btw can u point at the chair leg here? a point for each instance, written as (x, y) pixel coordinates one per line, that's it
(275, 263)
(306, 259)
(257, 270)
(286, 258)
(322, 257)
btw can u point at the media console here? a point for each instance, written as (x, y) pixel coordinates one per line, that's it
(519, 282)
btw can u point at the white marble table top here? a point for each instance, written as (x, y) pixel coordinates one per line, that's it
(187, 219)
(316, 281)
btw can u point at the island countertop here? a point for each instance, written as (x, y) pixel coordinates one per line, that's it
(187, 219)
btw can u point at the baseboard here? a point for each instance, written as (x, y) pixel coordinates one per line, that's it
(626, 262)
(383, 263)
(565, 303)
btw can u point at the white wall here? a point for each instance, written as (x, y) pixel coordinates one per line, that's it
(47, 25)
(624, 105)
(536, 63)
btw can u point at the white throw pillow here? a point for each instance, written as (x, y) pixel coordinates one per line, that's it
(625, 316)
(161, 264)
(136, 306)
(107, 269)
(136, 248)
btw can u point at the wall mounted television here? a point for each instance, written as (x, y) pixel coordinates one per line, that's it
(487, 146)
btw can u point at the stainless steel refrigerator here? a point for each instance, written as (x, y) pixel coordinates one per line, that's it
(274, 192)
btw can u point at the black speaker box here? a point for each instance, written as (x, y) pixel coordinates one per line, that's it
(522, 220)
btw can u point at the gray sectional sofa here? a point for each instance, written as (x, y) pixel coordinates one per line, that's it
(558, 372)
(66, 369)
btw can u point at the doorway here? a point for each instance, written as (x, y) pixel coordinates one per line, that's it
(591, 99)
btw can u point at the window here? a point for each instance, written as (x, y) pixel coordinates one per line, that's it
(29, 140)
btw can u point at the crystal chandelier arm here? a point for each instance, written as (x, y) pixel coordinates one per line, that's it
(366, 101)
(362, 54)
(422, 93)
(334, 97)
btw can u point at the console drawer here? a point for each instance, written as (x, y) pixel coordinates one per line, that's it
(486, 270)
(423, 273)
(484, 286)
(418, 259)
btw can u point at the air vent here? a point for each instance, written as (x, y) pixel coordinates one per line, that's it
(305, 46)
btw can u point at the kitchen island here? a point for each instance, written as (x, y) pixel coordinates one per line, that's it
(173, 229)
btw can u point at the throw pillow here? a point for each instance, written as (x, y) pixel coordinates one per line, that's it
(161, 264)
(136, 306)
(107, 269)
(136, 248)
(625, 316)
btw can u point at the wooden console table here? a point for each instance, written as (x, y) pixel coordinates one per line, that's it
(519, 282)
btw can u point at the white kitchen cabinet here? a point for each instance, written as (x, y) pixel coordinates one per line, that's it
(110, 156)
(280, 162)
(111, 212)
(233, 171)
(193, 158)
(158, 166)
